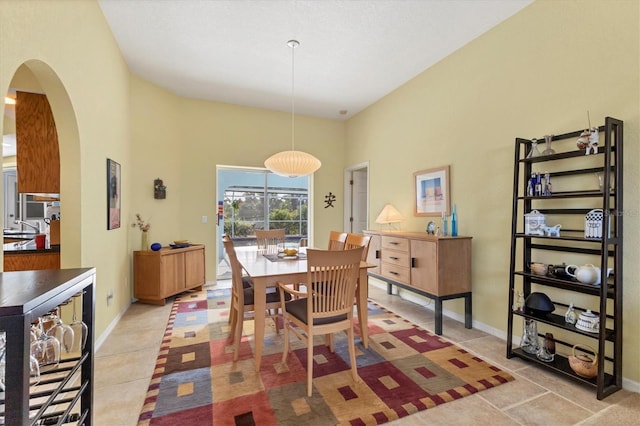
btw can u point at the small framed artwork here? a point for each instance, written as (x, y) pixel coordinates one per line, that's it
(432, 192)
(113, 194)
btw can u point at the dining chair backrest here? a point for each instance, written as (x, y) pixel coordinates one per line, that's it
(334, 275)
(358, 240)
(270, 239)
(336, 240)
(237, 291)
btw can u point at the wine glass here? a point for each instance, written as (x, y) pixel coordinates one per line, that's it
(61, 331)
(80, 329)
(44, 348)
(3, 349)
(34, 370)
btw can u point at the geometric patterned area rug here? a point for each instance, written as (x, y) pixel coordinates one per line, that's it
(406, 369)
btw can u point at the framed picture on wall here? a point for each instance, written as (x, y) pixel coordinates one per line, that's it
(432, 192)
(113, 194)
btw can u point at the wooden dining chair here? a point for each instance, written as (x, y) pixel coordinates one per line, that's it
(336, 240)
(246, 279)
(242, 298)
(269, 240)
(325, 309)
(357, 240)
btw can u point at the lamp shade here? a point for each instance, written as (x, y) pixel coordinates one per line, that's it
(292, 163)
(389, 214)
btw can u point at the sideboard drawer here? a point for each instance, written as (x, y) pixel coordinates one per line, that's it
(396, 273)
(395, 243)
(396, 258)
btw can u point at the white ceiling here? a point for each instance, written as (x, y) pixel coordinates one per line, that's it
(351, 53)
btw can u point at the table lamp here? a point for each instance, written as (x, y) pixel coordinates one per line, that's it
(389, 214)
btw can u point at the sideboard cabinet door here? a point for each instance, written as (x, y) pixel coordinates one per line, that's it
(167, 272)
(424, 271)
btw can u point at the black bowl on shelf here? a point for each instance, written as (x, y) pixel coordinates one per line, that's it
(539, 304)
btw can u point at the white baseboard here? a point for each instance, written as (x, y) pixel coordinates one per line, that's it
(627, 384)
(100, 340)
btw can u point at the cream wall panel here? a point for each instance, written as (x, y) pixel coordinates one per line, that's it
(219, 134)
(536, 73)
(69, 48)
(156, 152)
(182, 140)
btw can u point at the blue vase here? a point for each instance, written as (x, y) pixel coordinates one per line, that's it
(454, 222)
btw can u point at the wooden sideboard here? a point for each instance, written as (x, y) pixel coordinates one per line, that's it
(436, 267)
(167, 272)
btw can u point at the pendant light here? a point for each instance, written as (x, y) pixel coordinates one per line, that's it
(292, 163)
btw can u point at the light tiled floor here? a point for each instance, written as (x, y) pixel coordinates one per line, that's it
(125, 362)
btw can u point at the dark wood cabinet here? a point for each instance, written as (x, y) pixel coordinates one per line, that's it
(37, 151)
(586, 200)
(66, 392)
(16, 261)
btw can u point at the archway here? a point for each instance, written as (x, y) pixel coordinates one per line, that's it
(69, 146)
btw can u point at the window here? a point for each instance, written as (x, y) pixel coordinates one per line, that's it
(258, 199)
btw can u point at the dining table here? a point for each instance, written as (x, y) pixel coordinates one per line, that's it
(266, 272)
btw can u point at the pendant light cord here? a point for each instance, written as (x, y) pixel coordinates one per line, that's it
(293, 44)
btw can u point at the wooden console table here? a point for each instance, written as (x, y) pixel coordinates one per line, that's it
(167, 272)
(435, 267)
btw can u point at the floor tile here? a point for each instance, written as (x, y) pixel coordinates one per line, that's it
(625, 413)
(466, 411)
(124, 367)
(548, 409)
(581, 394)
(130, 340)
(512, 393)
(493, 349)
(120, 404)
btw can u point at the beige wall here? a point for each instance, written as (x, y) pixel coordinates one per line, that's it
(69, 48)
(537, 73)
(182, 140)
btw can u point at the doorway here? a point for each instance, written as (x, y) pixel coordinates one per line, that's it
(35, 76)
(250, 199)
(356, 190)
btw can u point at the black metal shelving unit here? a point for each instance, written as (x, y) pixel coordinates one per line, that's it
(604, 300)
(64, 394)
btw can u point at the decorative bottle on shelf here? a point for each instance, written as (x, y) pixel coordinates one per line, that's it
(548, 150)
(534, 152)
(529, 342)
(544, 352)
(454, 222)
(570, 316)
(550, 343)
(445, 230)
(144, 245)
(547, 187)
(518, 306)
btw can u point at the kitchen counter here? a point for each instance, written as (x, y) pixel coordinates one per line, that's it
(24, 256)
(28, 246)
(23, 236)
